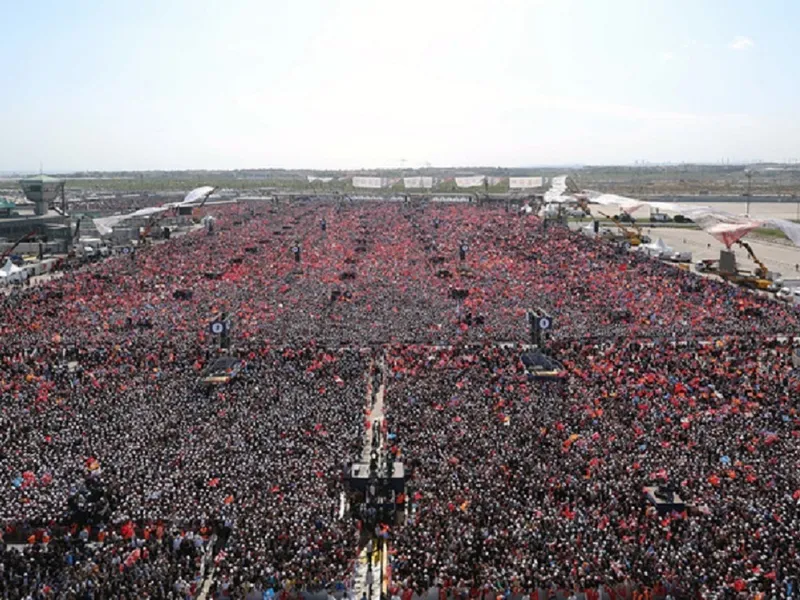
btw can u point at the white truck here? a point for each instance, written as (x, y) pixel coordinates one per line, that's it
(93, 247)
(788, 294)
(681, 257)
(788, 289)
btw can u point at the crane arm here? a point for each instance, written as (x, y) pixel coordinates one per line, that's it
(7, 252)
(206, 197)
(753, 256)
(616, 222)
(76, 235)
(583, 204)
(153, 220)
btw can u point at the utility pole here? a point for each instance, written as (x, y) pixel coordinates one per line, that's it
(749, 174)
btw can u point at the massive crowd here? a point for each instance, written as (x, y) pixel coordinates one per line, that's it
(126, 476)
(537, 485)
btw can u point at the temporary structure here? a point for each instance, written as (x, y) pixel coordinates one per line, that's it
(11, 273)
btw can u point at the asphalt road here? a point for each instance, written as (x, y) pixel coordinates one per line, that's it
(782, 258)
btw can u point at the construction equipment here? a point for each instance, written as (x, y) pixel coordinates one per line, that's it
(761, 270)
(645, 239)
(747, 280)
(73, 240)
(77, 234)
(727, 269)
(707, 265)
(754, 281)
(171, 209)
(634, 238)
(8, 251)
(582, 201)
(145, 232)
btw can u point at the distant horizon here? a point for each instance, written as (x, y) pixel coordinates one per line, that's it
(476, 169)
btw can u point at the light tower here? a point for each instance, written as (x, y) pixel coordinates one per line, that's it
(749, 174)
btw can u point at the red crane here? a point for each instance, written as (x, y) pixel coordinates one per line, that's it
(7, 252)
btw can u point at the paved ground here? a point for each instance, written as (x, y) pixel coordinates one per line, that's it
(779, 257)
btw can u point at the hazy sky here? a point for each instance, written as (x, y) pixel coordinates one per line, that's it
(348, 83)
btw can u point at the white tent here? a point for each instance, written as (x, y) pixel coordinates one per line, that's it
(11, 273)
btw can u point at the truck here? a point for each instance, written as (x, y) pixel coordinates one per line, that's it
(659, 218)
(788, 294)
(681, 257)
(633, 237)
(92, 248)
(707, 265)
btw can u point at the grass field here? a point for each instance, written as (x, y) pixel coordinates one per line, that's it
(774, 234)
(638, 181)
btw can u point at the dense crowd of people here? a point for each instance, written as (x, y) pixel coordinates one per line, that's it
(127, 476)
(531, 485)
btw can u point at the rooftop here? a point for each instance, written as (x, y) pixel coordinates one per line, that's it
(29, 217)
(41, 179)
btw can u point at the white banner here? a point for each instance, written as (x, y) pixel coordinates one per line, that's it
(451, 199)
(496, 180)
(312, 179)
(467, 182)
(368, 182)
(418, 182)
(524, 183)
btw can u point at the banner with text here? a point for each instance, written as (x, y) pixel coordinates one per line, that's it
(468, 182)
(524, 183)
(368, 182)
(418, 182)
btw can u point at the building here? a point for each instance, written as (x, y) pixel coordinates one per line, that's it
(7, 209)
(43, 190)
(49, 223)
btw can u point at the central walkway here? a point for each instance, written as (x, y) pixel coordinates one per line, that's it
(368, 576)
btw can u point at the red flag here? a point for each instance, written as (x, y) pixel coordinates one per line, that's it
(127, 530)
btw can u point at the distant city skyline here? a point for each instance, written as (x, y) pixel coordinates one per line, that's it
(348, 84)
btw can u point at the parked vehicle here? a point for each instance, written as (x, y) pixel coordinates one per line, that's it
(788, 294)
(681, 257)
(660, 218)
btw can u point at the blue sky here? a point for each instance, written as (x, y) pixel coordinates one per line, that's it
(369, 83)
